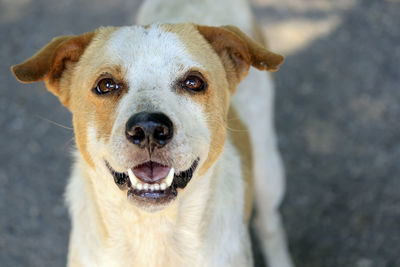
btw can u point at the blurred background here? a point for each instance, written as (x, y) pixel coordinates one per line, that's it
(337, 116)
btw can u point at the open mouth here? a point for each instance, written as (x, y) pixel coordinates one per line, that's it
(152, 182)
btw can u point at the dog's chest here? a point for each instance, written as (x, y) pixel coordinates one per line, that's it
(154, 242)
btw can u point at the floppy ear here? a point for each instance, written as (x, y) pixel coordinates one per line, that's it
(50, 62)
(234, 46)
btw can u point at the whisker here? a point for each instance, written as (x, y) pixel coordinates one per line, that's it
(54, 123)
(236, 130)
(68, 143)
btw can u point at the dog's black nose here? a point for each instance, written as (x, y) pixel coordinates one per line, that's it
(149, 130)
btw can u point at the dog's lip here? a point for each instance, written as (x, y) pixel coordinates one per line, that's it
(155, 197)
(160, 195)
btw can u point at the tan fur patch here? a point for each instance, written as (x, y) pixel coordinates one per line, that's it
(51, 61)
(88, 107)
(261, 57)
(240, 137)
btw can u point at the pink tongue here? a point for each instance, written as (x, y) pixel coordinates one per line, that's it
(151, 172)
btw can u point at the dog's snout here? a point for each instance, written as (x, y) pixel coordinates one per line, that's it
(149, 130)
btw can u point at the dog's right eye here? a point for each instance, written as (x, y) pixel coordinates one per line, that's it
(106, 85)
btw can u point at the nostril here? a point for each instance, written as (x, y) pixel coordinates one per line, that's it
(161, 134)
(137, 134)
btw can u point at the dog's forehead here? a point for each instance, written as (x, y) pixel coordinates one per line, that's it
(149, 49)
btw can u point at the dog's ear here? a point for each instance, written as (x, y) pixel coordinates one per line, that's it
(231, 44)
(51, 61)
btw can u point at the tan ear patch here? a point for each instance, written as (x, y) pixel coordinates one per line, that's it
(229, 47)
(50, 62)
(230, 43)
(261, 58)
(35, 68)
(69, 51)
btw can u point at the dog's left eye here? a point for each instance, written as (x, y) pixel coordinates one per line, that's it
(105, 86)
(194, 83)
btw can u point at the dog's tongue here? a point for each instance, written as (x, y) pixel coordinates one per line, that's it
(151, 172)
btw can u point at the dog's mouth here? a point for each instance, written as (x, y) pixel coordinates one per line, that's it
(152, 182)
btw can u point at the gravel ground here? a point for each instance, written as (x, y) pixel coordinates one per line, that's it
(336, 113)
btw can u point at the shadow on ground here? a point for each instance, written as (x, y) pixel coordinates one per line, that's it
(337, 115)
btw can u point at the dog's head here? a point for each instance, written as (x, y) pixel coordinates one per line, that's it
(149, 103)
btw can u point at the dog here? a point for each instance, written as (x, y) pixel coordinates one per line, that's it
(170, 135)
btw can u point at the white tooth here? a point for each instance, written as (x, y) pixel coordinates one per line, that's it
(163, 186)
(145, 187)
(152, 187)
(139, 186)
(170, 177)
(132, 177)
(156, 187)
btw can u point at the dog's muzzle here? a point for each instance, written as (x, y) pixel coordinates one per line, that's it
(153, 181)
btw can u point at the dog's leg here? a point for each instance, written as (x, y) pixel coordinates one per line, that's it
(269, 185)
(269, 181)
(269, 189)
(272, 236)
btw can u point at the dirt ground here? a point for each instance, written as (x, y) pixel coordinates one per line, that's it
(337, 115)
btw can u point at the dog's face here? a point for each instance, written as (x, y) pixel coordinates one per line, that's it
(149, 103)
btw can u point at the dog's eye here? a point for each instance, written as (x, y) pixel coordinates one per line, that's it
(194, 83)
(105, 86)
